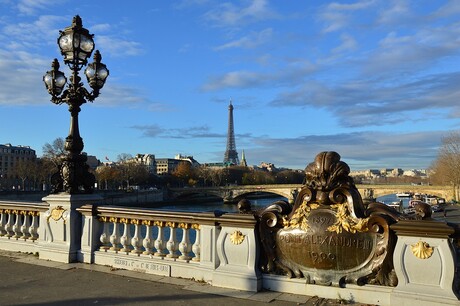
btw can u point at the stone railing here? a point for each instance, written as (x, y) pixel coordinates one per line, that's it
(213, 247)
(220, 249)
(19, 225)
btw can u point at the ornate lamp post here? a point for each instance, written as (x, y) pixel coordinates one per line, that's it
(76, 44)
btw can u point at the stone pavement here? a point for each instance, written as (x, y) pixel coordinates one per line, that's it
(27, 280)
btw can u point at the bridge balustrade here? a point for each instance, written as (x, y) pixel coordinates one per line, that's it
(19, 225)
(151, 233)
(218, 249)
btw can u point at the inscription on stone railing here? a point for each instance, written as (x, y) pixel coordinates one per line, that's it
(141, 266)
(322, 248)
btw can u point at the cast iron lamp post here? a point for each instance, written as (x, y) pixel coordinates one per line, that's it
(76, 44)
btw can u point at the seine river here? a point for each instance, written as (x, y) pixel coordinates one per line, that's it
(256, 203)
(390, 198)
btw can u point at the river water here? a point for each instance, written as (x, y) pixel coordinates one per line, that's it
(256, 203)
(390, 198)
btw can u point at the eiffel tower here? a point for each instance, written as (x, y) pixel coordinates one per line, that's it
(231, 156)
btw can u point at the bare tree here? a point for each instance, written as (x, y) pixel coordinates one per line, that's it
(446, 168)
(123, 157)
(24, 170)
(55, 150)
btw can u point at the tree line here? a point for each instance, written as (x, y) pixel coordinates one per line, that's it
(33, 175)
(127, 174)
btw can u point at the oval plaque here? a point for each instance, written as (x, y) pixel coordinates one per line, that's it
(319, 248)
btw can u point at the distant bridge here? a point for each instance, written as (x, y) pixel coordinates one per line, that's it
(236, 193)
(290, 191)
(446, 192)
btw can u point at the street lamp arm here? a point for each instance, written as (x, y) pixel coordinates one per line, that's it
(90, 96)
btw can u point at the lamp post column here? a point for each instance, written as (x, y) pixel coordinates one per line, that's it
(61, 226)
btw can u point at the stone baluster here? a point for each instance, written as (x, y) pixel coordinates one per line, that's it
(148, 241)
(160, 241)
(105, 236)
(172, 244)
(136, 241)
(17, 225)
(126, 238)
(9, 223)
(185, 247)
(33, 229)
(196, 247)
(3, 218)
(25, 226)
(115, 237)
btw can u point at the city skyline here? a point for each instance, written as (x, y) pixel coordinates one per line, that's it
(375, 81)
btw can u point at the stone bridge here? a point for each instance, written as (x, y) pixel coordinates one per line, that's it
(290, 191)
(236, 193)
(446, 192)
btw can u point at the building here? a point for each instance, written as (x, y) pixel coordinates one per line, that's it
(148, 160)
(161, 166)
(92, 162)
(167, 165)
(10, 157)
(369, 173)
(190, 159)
(391, 172)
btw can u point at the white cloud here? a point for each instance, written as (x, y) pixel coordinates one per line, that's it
(253, 40)
(348, 43)
(31, 7)
(156, 131)
(380, 149)
(101, 27)
(399, 12)
(337, 15)
(41, 32)
(228, 14)
(118, 47)
(452, 7)
(22, 78)
(292, 73)
(360, 102)
(359, 5)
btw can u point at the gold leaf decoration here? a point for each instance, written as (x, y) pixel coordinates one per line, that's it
(237, 237)
(113, 219)
(184, 225)
(195, 226)
(300, 217)
(56, 213)
(344, 222)
(171, 224)
(147, 222)
(422, 250)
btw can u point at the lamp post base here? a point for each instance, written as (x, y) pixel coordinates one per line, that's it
(73, 176)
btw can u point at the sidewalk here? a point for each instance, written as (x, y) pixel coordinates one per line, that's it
(27, 280)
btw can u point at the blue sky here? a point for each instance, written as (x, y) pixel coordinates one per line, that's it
(375, 80)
